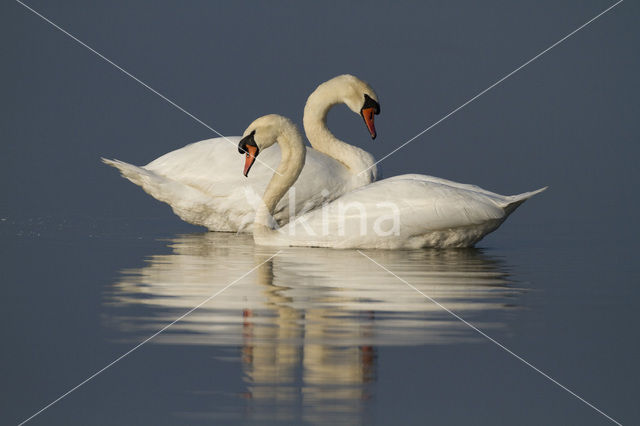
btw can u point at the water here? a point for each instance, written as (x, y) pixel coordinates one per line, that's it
(310, 335)
(91, 266)
(308, 324)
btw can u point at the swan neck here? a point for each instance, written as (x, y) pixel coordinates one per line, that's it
(315, 126)
(293, 154)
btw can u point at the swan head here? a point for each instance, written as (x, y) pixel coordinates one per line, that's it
(260, 135)
(360, 98)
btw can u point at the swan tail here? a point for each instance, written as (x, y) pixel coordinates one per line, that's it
(190, 204)
(135, 174)
(159, 187)
(512, 202)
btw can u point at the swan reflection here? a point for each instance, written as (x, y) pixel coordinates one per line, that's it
(308, 321)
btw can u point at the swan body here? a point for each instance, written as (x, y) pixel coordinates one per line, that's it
(201, 181)
(407, 211)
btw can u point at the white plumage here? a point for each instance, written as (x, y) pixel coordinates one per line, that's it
(407, 211)
(203, 185)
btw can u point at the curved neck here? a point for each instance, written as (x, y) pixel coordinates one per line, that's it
(315, 126)
(293, 154)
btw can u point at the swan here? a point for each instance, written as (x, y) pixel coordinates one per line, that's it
(200, 181)
(406, 211)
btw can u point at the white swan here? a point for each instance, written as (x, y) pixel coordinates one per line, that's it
(408, 211)
(200, 181)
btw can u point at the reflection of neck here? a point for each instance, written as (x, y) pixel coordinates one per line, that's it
(315, 126)
(293, 155)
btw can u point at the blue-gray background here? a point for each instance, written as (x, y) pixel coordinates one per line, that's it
(568, 120)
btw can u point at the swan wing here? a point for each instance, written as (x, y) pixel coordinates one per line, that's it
(427, 211)
(204, 185)
(419, 202)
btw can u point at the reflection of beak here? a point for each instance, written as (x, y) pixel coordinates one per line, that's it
(367, 114)
(252, 153)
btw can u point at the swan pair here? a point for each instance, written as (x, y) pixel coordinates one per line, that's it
(407, 211)
(335, 183)
(202, 185)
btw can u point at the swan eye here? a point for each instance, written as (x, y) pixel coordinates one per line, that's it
(370, 103)
(247, 140)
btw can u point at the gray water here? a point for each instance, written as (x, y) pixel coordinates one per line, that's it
(91, 266)
(313, 335)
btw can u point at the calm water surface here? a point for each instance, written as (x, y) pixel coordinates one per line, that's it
(311, 335)
(91, 266)
(308, 324)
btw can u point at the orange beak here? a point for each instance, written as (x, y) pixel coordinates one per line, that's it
(367, 114)
(250, 158)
